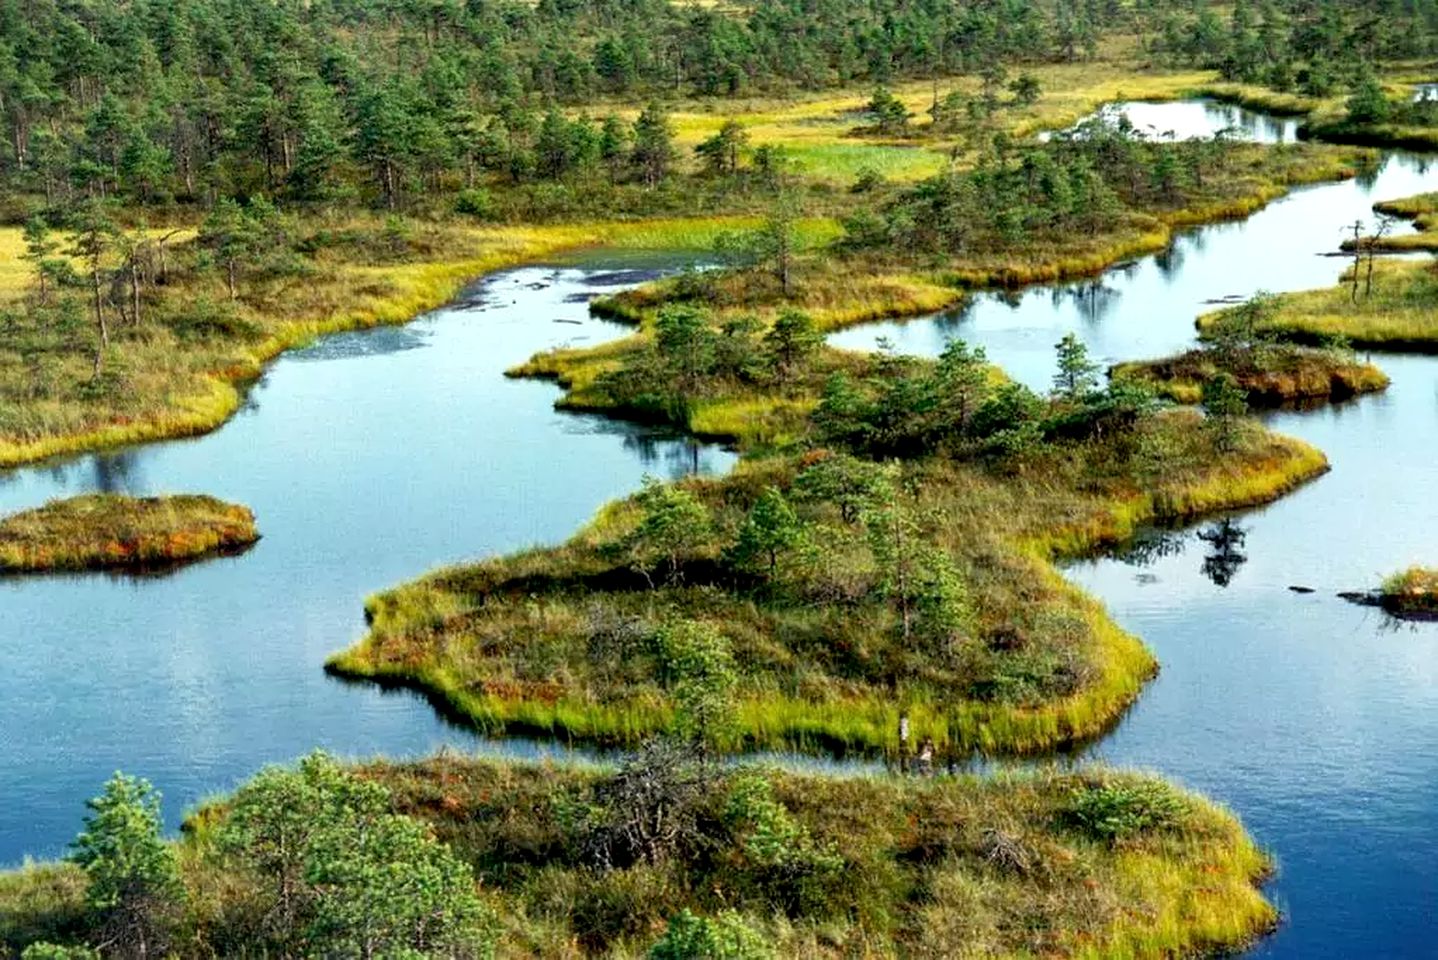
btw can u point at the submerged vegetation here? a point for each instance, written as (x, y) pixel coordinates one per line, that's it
(111, 531)
(670, 855)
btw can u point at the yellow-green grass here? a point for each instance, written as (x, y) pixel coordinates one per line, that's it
(1270, 376)
(858, 288)
(1262, 99)
(825, 134)
(172, 385)
(1421, 209)
(41, 902)
(1413, 591)
(919, 876)
(108, 530)
(1400, 312)
(15, 272)
(451, 633)
(963, 867)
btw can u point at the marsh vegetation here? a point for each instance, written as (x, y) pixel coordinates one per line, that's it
(192, 190)
(99, 531)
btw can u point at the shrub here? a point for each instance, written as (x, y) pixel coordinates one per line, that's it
(474, 203)
(1119, 810)
(53, 951)
(791, 870)
(339, 873)
(134, 884)
(725, 937)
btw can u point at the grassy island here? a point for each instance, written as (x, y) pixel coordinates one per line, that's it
(1392, 312)
(885, 548)
(1277, 375)
(101, 530)
(669, 850)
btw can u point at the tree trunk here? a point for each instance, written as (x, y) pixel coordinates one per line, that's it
(230, 276)
(135, 288)
(99, 319)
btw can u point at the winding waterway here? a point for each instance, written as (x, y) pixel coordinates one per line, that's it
(371, 457)
(368, 459)
(1315, 720)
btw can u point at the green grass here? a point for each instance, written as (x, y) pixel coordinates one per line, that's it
(1271, 376)
(919, 876)
(107, 530)
(180, 371)
(1398, 314)
(848, 289)
(520, 644)
(41, 902)
(998, 866)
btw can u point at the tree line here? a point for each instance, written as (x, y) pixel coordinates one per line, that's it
(1317, 49)
(197, 99)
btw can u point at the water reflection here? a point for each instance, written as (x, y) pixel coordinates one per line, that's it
(1225, 555)
(1200, 117)
(1147, 307)
(1305, 714)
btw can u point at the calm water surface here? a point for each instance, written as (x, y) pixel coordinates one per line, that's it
(1201, 117)
(1315, 720)
(368, 459)
(372, 457)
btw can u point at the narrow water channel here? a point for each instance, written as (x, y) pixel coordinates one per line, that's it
(370, 458)
(1315, 720)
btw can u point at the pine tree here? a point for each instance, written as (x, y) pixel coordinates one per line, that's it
(1077, 375)
(653, 151)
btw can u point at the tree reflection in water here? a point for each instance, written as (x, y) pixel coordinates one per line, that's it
(1225, 556)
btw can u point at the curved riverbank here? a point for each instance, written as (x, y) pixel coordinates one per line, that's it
(244, 692)
(369, 457)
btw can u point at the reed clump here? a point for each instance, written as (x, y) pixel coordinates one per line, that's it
(103, 530)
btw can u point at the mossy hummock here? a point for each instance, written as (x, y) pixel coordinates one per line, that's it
(108, 531)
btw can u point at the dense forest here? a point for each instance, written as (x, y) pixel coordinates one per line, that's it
(195, 100)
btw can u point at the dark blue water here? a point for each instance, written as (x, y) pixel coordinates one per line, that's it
(1315, 719)
(368, 459)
